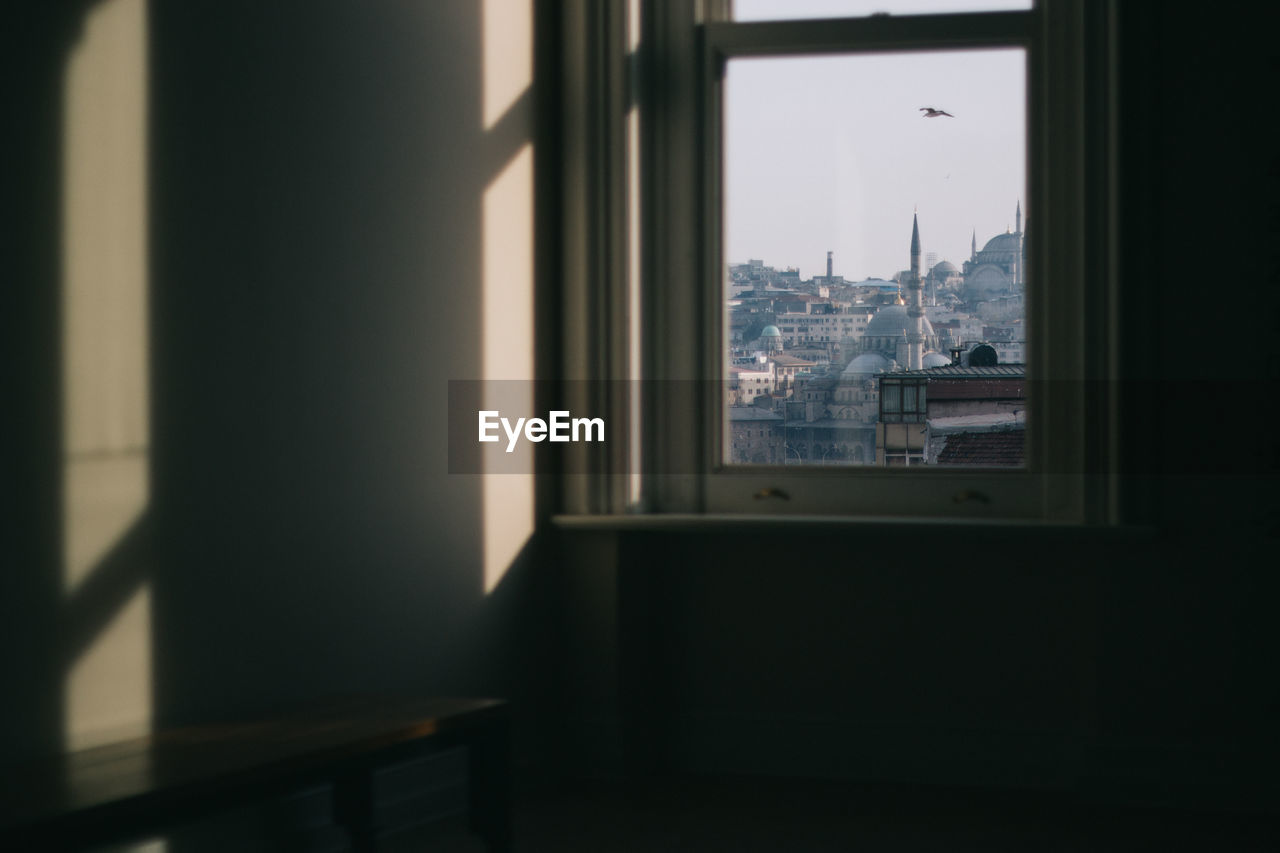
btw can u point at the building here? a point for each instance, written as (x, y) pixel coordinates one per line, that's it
(953, 415)
(831, 329)
(746, 382)
(770, 340)
(944, 279)
(999, 268)
(831, 419)
(785, 368)
(755, 436)
(901, 332)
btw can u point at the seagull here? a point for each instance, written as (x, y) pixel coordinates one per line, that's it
(930, 112)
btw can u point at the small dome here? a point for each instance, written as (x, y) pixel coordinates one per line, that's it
(867, 364)
(934, 359)
(942, 269)
(771, 332)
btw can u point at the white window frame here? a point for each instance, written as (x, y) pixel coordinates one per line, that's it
(1071, 151)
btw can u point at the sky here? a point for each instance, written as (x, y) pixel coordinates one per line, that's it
(832, 153)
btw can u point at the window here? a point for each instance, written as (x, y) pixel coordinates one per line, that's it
(845, 157)
(902, 400)
(685, 52)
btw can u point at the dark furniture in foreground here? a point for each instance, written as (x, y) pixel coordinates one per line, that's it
(140, 788)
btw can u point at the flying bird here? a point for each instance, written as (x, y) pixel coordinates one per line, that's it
(930, 112)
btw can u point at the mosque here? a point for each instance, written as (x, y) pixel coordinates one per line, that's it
(900, 336)
(995, 272)
(999, 269)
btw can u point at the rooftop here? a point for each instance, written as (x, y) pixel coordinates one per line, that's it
(752, 413)
(960, 371)
(984, 448)
(983, 423)
(784, 360)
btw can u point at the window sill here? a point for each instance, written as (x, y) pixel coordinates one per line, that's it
(727, 522)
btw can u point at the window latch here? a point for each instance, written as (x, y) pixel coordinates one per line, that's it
(771, 492)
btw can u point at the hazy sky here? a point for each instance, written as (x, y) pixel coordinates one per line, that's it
(832, 153)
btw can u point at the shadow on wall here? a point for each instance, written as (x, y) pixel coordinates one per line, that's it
(257, 244)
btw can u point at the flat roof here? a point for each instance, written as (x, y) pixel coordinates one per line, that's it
(959, 371)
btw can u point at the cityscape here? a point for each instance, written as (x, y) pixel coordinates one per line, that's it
(925, 367)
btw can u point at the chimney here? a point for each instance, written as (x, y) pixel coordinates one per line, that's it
(828, 266)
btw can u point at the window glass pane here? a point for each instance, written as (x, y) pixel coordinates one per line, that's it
(865, 237)
(777, 10)
(891, 398)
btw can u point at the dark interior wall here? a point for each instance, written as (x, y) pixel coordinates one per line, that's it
(1122, 660)
(1135, 663)
(316, 181)
(28, 581)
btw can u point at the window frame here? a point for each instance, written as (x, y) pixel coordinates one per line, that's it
(673, 77)
(1070, 154)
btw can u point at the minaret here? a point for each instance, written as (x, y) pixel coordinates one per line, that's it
(1017, 258)
(1022, 254)
(973, 247)
(915, 245)
(915, 306)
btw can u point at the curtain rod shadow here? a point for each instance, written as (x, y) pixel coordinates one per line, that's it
(104, 592)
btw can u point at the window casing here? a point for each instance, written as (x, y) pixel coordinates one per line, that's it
(682, 49)
(902, 400)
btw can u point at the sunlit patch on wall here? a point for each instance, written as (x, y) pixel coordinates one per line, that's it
(507, 349)
(508, 55)
(108, 690)
(104, 356)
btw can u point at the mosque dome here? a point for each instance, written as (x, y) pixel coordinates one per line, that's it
(867, 364)
(891, 321)
(934, 359)
(770, 332)
(986, 282)
(1003, 244)
(942, 269)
